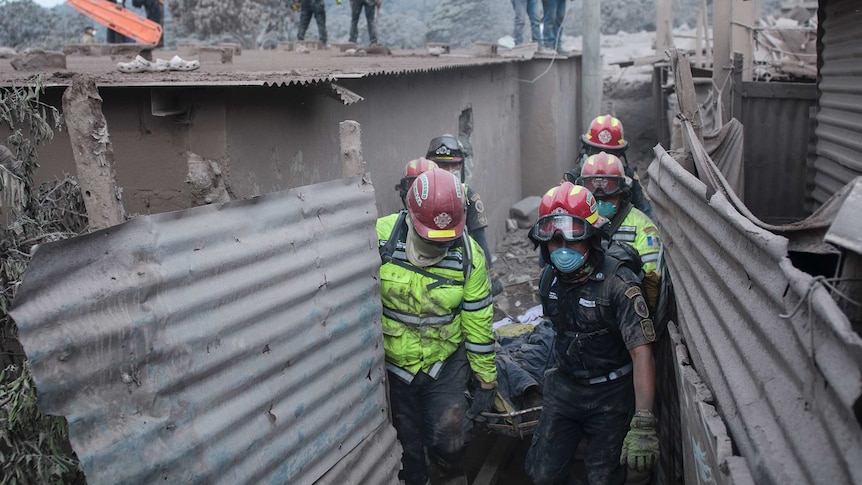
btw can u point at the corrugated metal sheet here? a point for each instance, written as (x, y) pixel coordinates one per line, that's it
(839, 121)
(256, 68)
(704, 442)
(234, 343)
(775, 117)
(786, 387)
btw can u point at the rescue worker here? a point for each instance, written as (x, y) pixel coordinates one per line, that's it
(448, 153)
(603, 382)
(411, 171)
(437, 315)
(606, 134)
(603, 175)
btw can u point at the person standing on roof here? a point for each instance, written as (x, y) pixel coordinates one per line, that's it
(437, 314)
(371, 7)
(111, 35)
(605, 134)
(317, 9)
(530, 8)
(603, 175)
(554, 11)
(155, 12)
(604, 367)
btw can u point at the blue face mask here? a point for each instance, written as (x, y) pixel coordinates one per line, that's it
(606, 209)
(567, 260)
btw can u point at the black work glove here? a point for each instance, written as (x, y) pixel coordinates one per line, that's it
(483, 400)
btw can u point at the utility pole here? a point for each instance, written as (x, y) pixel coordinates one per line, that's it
(591, 62)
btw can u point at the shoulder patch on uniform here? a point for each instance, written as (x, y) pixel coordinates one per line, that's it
(648, 329)
(480, 207)
(652, 241)
(474, 197)
(633, 292)
(650, 230)
(641, 307)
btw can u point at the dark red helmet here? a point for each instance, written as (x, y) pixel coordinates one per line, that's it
(606, 133)
(436, 205)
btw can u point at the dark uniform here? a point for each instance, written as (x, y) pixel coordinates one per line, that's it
(477, 221)
(590, 391)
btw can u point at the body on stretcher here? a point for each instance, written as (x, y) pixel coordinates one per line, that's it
(524, 352)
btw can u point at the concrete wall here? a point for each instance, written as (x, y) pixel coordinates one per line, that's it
(265, 139)
(550, 121)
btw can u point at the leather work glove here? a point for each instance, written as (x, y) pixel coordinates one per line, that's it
(483, 400)
(640, 447)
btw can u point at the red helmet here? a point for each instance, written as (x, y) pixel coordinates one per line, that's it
(569, 210)
(603, 175)
(606, 132)
(411, 171)
(568, 198)
(436, 205)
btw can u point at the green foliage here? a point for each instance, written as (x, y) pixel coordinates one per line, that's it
(23, 24)
(33, 447)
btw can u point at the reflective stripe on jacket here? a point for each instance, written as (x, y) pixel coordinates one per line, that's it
(638, 231)
(421, 326)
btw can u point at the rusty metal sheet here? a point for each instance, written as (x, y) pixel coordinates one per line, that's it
(786, 387)
(233, 343)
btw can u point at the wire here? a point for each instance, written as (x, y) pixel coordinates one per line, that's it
(559, 41)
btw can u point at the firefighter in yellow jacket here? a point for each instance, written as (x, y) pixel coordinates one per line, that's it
(603, 175)
(437, 314)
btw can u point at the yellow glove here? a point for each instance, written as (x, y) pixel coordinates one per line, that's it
(640, 447)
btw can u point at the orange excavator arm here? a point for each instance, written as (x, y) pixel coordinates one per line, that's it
(119, 19)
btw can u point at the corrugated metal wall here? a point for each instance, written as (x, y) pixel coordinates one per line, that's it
(786, 387)
(839, 121)
(777, 133)
(235, 343)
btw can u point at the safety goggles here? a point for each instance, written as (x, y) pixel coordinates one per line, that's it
(601, 185)
(567, 226)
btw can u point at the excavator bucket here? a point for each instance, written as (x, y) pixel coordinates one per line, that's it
(119, 19)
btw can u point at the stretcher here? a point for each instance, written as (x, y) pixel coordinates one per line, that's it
(120, 20)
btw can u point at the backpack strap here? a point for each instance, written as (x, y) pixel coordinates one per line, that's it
(619, 217)
(399, 232)
(545, 280)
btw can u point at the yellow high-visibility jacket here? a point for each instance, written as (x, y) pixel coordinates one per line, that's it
(638, 231)
(424, 320)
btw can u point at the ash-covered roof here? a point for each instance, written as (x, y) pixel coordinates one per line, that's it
(250, 68)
